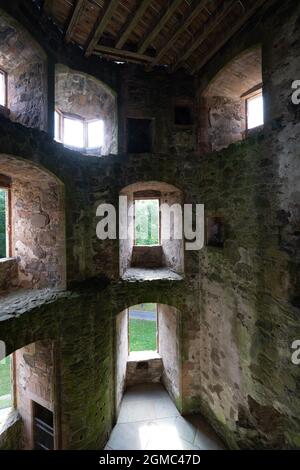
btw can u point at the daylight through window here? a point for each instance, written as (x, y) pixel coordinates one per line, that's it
(255, 110)
(143, 327)
(79, 133)
(147, 226)
(2, 88)
(5, 384)
(3, 222)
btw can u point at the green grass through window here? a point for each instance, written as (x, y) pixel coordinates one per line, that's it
(5, 383)
(2, 223)
(143, 328)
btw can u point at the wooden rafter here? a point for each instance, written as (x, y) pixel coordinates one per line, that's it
(131, 24)
(121, 54)
(205, 31)
(229, 34)
(78, 9)
(110, 7)
(146, 41)
(190, 15)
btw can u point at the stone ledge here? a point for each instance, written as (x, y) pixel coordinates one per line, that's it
(137, 356)
(144, 274)
(19, 302)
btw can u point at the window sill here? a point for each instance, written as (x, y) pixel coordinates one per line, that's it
(141, 356)
(148, 274)
(8, 260)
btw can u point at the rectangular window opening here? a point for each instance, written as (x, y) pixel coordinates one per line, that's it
(73, 132)
(95, 134)
(139, 135)
(4, 223)
(78, 133)
(3, 88)
(43, 427)
(5, 384)
(183, 116)
(255, 111)
(143, 327)
(147, 222)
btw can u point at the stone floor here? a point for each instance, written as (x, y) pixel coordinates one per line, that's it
(139, 274)
(149, 420)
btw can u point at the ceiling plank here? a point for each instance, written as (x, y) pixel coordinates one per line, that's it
(146, 41)
(131, 24)
(190, 15)
(110, 7)
(205, 31)
(78, 9)
(121, 54)
(231, 33)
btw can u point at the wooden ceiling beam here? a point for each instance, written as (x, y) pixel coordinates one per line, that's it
(78, 9)
(131, 24)
(205, 31)
(121, 54)
(250, 12)
(148, 38)
(191, 14)
(110, 7)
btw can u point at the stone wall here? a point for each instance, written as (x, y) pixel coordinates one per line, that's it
(169, 336)
(121, 356)
(239, 304)
(143, 367)
(34, 376)
(37, 226)
(11, 434)
(9, 279)
(26, 66)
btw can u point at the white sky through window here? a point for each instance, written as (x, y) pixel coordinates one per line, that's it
(2, 89)
(255, 111)
(73, 132)
(95, 134)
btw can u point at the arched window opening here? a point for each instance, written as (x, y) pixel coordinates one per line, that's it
(232, 105)
(85, 113)
(32, 235)
(154, 247)
(23, 75)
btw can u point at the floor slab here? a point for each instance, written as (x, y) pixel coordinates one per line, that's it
(149, 420)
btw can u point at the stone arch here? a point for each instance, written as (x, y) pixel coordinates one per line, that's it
(169, 350)
(170, 252)
(83, 95)
(37, 224)
(223, 102)
(25, 64)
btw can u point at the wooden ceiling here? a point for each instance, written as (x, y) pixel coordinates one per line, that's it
(171, 33)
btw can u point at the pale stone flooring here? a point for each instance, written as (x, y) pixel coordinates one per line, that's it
(149, 420)
(143, 274)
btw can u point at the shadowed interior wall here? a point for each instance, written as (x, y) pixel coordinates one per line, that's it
(26, 66)
(222, 113)
(121, 356)
(34, 375)
(38, 224)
